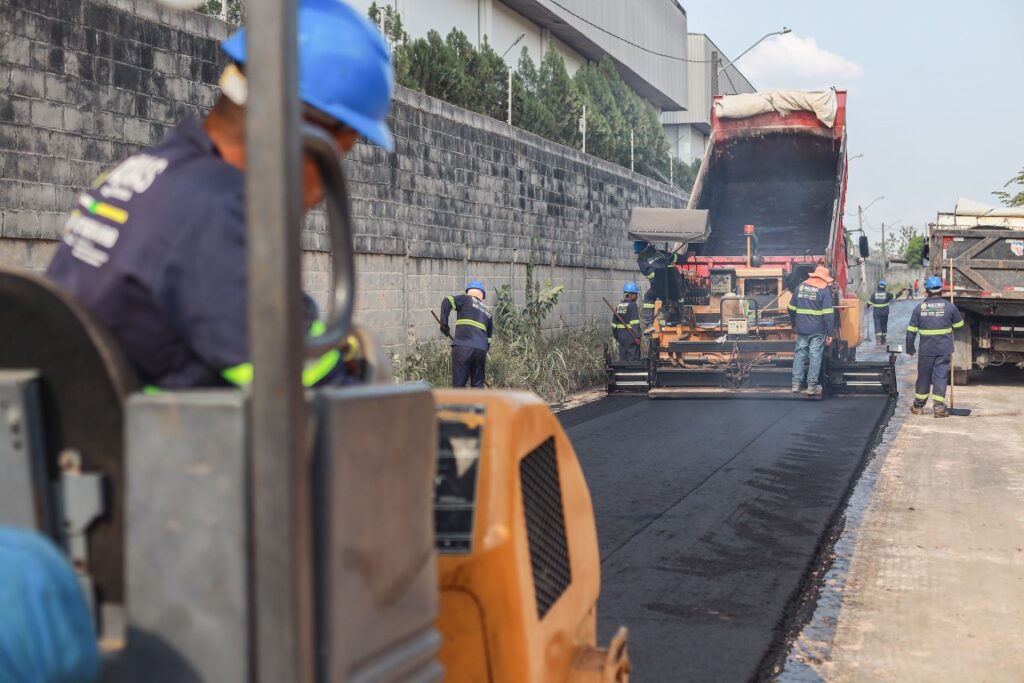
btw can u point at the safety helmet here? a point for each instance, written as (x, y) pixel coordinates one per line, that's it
(640, 245)
(476, 284)
(882, 284)
(344, 67)
(42, 597)
(933, 283)
(630, 288)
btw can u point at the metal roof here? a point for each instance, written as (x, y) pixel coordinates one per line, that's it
(630, 33)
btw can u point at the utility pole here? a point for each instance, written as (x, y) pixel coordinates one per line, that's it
(671, 176)
(509, 119)
(583, 127)
(631, 157)
(885, 254)
(863, 268)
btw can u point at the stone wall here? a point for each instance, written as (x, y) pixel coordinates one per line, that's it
(86, 83)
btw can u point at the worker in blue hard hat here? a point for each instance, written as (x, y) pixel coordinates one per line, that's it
(664, 281)
(934, 320)
(880, 301)
(626, 323)
(474, 326)
(46, 629)
(156, 249)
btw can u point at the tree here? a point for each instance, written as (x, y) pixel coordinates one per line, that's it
(604, 120)
(528, 111)
(231, 11)
(435, 68)
(1016, 198)
(390, 23)
(491, 92)
(559, 96)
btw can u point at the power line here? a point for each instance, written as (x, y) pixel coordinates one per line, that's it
(628, 41)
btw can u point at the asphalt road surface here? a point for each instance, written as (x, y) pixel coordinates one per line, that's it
(709, 515)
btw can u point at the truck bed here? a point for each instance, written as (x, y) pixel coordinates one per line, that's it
(782, 181)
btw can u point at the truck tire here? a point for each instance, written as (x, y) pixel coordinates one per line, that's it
(961, 377)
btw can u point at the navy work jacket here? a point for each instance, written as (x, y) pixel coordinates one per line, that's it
(473, 322)
(811, 310)
(880, 302)
(156, 251)
(652, 260)
(934, 319)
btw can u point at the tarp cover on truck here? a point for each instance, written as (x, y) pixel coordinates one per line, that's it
(973, 214)
(822, 103)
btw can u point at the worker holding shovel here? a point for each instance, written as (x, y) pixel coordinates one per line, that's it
(934, 319)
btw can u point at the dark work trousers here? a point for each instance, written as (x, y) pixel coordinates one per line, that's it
(628, 348)
(881, 323)
(468, 365)
(932, 372)
(647, 307)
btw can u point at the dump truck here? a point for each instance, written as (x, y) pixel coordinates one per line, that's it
(978, 251)
(771, 189)
(371, 532)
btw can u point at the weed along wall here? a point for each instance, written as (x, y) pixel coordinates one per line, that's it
(462, 196)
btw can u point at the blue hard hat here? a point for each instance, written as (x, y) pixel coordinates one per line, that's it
(882, 283)
(640, 245)
(46, 631)
(344, 67)
(933, 283)
(476, 284)
(630, 288)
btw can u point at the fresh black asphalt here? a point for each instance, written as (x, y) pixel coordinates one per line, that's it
(709, 515)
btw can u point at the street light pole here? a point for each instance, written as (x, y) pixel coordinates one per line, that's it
(729, 63)
(515, 42)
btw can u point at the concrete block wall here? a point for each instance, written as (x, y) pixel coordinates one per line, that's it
(86, 83)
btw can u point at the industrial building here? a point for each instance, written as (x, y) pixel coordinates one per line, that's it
(676, 71)
(709, 73)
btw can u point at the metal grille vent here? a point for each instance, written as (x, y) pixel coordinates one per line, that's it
(545, 525)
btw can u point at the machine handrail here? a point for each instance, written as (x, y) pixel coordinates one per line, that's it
(325, 154)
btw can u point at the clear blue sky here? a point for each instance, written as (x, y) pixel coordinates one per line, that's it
(936, 102)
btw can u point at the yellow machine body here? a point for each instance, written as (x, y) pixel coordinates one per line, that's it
(519, 567)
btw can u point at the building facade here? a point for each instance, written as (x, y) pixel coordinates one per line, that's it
(688, 131)
(581, 31)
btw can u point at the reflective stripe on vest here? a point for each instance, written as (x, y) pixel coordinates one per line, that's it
(810, 311)
(474, 323)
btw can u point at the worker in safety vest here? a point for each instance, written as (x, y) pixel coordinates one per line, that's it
(157, 248)
(626, 323)
(651, 260)
(934, 319)
(812, 314)
(879, 302)
(474, 326)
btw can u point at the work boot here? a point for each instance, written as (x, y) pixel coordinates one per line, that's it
(878, 340)
(917, 407)
(814, 390)
(940, 410)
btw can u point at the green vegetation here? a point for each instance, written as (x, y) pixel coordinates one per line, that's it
(232, 11)
(553, 364)
(906, 245)
(545, 99)
(1012, 198)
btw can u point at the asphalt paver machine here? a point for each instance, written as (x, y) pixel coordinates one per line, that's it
(772, 184)
(374, 532)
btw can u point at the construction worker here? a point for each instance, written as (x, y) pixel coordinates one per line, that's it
(879, 302)
(626, 323)
(473, 328)
(157, 249)
(934, 319)
(917, 287)
(651, 261)
(812, 314)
